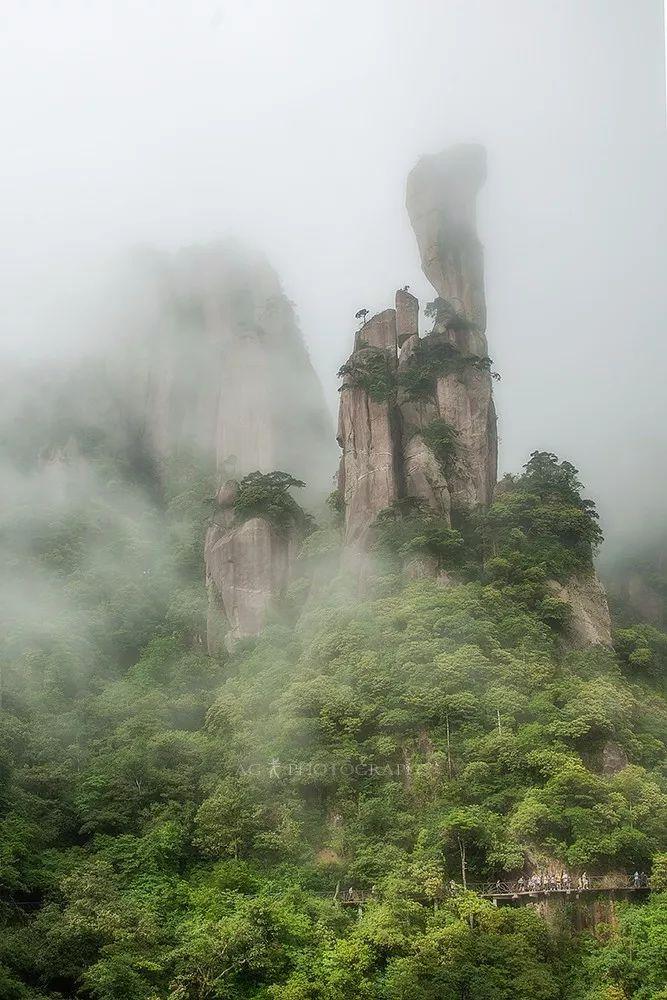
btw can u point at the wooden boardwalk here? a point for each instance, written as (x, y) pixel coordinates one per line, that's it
(508, 892)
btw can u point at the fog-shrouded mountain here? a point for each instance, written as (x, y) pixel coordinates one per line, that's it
(386, 746)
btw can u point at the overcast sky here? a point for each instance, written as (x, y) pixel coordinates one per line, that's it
(293, 124)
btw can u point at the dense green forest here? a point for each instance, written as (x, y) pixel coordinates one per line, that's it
(174, 825)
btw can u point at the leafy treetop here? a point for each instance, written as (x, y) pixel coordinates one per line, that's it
(267, 495)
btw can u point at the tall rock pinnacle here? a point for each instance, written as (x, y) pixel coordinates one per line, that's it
(417, 419)
(229, 378)
(442, 204)
(441, 201)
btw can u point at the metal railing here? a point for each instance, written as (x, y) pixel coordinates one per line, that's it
(591, 883)
(499, 888)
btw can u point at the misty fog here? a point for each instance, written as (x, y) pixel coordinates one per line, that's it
(293, 126)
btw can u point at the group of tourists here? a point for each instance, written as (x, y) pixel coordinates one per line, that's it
(546, 881)
(553, 881)
(549, 880)
(560, 881)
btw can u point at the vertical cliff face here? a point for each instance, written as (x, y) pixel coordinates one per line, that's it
(417, 418)
(248, 570)
(228, 383)
(228, 378)
(442, 204)
(225, 381)
(368, 432)
(590, 621)
(441, 201)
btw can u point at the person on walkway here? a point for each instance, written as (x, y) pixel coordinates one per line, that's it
(635, 880)
(521, 884)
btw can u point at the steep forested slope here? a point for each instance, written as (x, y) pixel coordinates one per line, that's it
(412, 691)
(176, 825)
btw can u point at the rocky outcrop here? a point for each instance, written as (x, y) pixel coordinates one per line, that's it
(379, 331)
(227, 376)
(417, 419)
(442, 204)
(441, 201)
(407, 316)
(229, 384)
(248, 570)
(465, 401)
(590, 621)
(387, 443)
(369, 434)
(613, 759)
(249, 567)
(424, 478)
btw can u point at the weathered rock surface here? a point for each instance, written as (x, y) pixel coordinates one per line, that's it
(369, 475)
(378, 331)
(228, 382)
(441, 201)
(407, 349)
(466, 402)
(227, 375)
(590, 622)
(425, 567)
(386, 455)
(407, 316)
(443, 383)
(424, 478)
(248, 568)
(613, 758)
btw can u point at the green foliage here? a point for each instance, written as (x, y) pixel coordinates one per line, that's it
(442, 438)
(445, 315)
(433, 358)
(633, 962)
(659, 873)
(643, 651)
(538, 528)
(267, 495)
(174, 826)
(369, 370)
(336, 504)
(409, 528)
(204, 815)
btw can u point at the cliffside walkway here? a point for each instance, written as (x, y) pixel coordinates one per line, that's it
(511, 892)
(504, 891)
